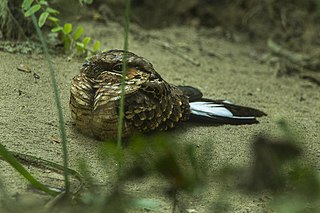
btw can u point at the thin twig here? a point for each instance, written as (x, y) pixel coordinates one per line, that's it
(175, 51)
(303, 60)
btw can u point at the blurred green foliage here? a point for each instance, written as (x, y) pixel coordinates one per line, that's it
(143, 157)
(71, 38)
(279, 167)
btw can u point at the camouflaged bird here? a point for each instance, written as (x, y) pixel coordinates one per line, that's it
(150, 102)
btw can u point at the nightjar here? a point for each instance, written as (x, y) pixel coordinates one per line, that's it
(151, 103)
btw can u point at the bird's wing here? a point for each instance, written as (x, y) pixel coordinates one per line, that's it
(218, 111)
(223, 112)
(156, 105)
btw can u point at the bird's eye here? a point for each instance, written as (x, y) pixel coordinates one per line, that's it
(117, 68)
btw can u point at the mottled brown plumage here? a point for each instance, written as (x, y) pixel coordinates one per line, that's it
(150, 102)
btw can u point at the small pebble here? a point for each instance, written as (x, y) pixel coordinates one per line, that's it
(36, 76)
(24, 68)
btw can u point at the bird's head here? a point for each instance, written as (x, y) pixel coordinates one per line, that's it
(112, 62)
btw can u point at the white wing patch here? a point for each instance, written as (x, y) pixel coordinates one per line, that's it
(209, 109)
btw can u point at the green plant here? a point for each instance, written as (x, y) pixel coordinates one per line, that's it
(124, 70)
(65, 32)
(57, 100)
(144, 157)
(11, 158)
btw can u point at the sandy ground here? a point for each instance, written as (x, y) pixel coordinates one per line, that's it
(28, 119)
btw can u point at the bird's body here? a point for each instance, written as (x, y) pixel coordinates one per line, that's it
(150, 102)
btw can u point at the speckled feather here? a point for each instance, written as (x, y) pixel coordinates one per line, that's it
(150, 102)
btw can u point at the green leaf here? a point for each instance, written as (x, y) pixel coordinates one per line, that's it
(7, 156)
(43, 18)
(53, 19)
(67, 28)
(79, 44)
(26, 4)
(149, 204)
(43, 2)
(52, 11)
(96, 46)
(35, 8)
(80, 47)
(56, 29)
(76, 35)
(86, 41)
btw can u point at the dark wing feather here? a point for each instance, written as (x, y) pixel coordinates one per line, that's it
(156, 106)
(218, 111)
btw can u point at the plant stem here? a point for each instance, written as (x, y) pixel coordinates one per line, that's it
(58, 104)
(124, 71)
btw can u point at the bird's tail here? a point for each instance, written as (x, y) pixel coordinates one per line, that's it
(219, 111)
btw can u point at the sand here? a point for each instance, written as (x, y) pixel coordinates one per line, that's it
(28, 118)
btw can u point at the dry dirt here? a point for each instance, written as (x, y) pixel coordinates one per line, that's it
(227, 70)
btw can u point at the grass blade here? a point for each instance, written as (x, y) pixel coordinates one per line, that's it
(7, 156)
(124, 70)
(58, 104)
